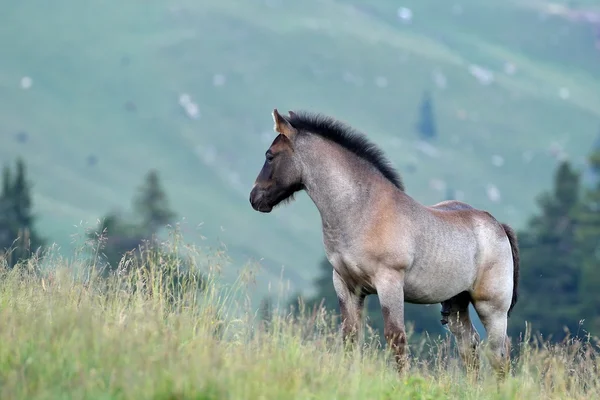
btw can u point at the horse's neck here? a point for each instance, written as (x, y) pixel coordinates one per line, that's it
(338, 208)
(341, 192)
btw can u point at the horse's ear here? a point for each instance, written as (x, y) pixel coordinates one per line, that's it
(292, 114)
(283, 126)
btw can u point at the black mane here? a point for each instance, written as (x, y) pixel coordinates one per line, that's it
(347, 137)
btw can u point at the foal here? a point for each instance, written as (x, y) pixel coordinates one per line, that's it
(381, 241)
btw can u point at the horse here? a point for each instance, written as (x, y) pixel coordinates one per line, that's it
(379, 240)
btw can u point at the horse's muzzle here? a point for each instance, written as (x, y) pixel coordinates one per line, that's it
(257, 200)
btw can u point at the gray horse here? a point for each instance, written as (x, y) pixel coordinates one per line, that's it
(381, 241)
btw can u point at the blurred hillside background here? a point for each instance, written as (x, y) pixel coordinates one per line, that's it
(479, 101)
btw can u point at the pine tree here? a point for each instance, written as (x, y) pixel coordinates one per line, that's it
(18, 236)
(588, 246)
(590, 174)
(265, 311)
(118, 235)
(6, 183)
(551, 275)
(113, 238)
(152, 205)
(21, 196)
(5, 196)
(6, 223)
(426, 126)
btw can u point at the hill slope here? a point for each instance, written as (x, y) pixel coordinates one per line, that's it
(107, 78)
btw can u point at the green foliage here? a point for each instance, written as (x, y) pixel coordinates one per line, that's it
(152, 205)
(6, 183)
(588, 249)
(426, 125)
(19, 238)
(117, 236)
(265, 311)
(161, 271)
(132, 247)
(418, 388)
(551, 272)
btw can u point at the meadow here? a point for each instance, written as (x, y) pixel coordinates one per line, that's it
(69, 332)
(91, 97)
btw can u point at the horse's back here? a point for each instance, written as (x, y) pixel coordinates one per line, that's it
(451, 205)
(454, 211)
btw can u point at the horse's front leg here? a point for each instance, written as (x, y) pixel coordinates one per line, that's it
(351, 307)
(390, 290)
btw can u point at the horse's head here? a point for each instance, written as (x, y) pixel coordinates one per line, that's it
(281, 174)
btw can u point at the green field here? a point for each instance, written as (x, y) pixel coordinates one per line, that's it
(355, 60)
(64, 338)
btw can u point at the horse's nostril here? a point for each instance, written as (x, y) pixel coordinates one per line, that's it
(254, 197)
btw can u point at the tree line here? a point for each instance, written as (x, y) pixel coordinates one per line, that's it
(118, 234)
(119, 243)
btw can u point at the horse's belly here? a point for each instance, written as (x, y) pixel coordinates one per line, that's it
(436, 283)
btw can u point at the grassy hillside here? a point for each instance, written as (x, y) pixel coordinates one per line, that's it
(107, 77)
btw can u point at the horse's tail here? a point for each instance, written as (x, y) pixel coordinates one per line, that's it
(512, 238)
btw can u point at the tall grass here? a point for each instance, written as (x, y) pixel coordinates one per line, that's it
(141, 334)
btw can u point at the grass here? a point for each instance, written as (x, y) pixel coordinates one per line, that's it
(70, 334)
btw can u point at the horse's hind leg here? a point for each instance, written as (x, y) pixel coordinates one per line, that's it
(390, 291)
(492, 300)
(495, 321)
(456, 315)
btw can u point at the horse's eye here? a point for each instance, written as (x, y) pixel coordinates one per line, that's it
(269, 157)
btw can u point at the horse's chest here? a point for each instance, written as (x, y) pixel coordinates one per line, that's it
(351, 269)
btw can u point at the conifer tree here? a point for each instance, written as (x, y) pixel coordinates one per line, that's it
(265, 311)
(551, 271)
(21, 196)
(426, 126)
(588, 246)
(152, 205)
(119, 235)
(18, 236)
(6, 182)
(6, 223)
